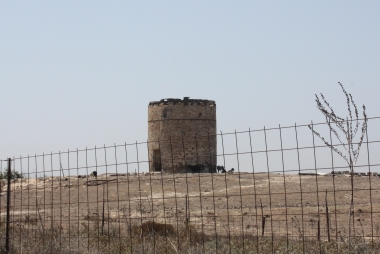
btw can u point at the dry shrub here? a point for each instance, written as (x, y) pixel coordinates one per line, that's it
(155, 228)
(30, 220)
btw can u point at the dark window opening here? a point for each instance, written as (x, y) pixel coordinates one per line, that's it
(166, 113)
(156, 160)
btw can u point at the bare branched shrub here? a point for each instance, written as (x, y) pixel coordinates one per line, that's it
(349, 127)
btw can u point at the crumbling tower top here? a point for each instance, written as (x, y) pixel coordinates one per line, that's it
(185, 101)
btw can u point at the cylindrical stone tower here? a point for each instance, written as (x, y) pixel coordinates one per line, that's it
(182, 135)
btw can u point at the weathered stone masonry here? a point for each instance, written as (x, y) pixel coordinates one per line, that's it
(182, 135)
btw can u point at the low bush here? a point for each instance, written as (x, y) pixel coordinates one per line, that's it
(14, 174)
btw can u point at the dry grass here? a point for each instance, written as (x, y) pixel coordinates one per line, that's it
(186, 240)
(148, 214)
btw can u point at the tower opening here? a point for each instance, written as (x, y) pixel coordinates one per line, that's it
(157, 160)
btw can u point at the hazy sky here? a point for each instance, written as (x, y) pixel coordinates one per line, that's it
(82, 73)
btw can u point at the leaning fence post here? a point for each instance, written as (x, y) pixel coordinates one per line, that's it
(319, 230)
(186, 207)
(327, 220)
(262, 219)
(8, 206)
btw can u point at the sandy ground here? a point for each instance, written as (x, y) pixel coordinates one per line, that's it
(217, 203)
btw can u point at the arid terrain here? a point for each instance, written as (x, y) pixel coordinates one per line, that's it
(222, 204)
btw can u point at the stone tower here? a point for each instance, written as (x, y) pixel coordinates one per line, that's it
(182, 135)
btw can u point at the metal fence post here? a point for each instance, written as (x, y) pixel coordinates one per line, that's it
(9, 173)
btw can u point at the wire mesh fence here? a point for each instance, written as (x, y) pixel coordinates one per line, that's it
(273, 190)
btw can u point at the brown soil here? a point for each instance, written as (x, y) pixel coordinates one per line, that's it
(218, 203)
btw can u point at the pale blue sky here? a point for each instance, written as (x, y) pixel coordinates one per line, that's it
(82, 73)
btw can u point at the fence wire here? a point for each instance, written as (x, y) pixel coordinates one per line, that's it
(281, 190)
